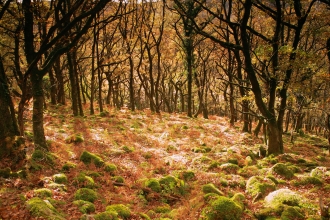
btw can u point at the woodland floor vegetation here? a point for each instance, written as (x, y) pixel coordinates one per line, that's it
(141, 165)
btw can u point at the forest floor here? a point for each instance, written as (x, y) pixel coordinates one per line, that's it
(160, 166)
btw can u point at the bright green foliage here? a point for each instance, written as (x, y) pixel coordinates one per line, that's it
(122, 210)
(223, 208)
(211, 188)
(60, 178)
(87, 158)
(85, 206)
(283, 196)
(43, 208)
(85, 194)
(110, 168)
(282, 170)
(153, 184)
(292, 213)
(43, 192)
(256, 185)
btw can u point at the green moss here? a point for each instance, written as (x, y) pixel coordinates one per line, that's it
(173, 185)
(229, 167)
(86, 181)
(163, 209)
(144, 216)
(256, 185)
(107, 215)
(118, 179)
(153, 184)
(248, 171)
(211, 188)
(60, 178)
(68, 166)
(223, 208)
(283, 196)
(38, 155)
(239, 198)
(292, 213)
(282, 170)
(43, 192)
(308, 180)
(210, 196)
(87, 158)
(233, 161)
(43, 208)
(187, 175)
(85, 206)
(110, 168)
(57, 186)
(128, 149)
(85, 194)
(122, 210)
(319, 172)
(75, 138)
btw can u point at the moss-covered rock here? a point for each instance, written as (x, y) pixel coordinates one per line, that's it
(110, 168)
(163, 209)
(85, 181)
(38, 155)
(84, 206)
(57, 186)
(308, 180)
(319, 172)
(118, 179)
(43, 193)
(85, 194)
(257, 185)
(211, 188)
(128, 149)
(107, 215)
(222, 208)
(122, 210)
(87, 158)
(283, 197)
(292, 213)
(282, 170)
(187, 175)
(153, 184)
(68, 166)
(239, 198)
(60, 178)
(43, 208)
(229, 167)
(173, 185)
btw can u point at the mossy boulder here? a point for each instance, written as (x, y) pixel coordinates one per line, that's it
(68, 166)
(38, 155)
(43, 193)
(283, 197)
(173, 185)
(239, 198)
(85, 181)
(107, 215)
(122, 210)
(84, 206)
(88, 158)
(187, 175)
(85, 194)
(229, 167)
(292, 213)
(282, 170)
(153, 184)
(43, 209)
(110, 168)
(222, 208)
(308, 180)
(319, 172)
(258, 186)
(60, 178)
(118, 179)
(211, 188)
